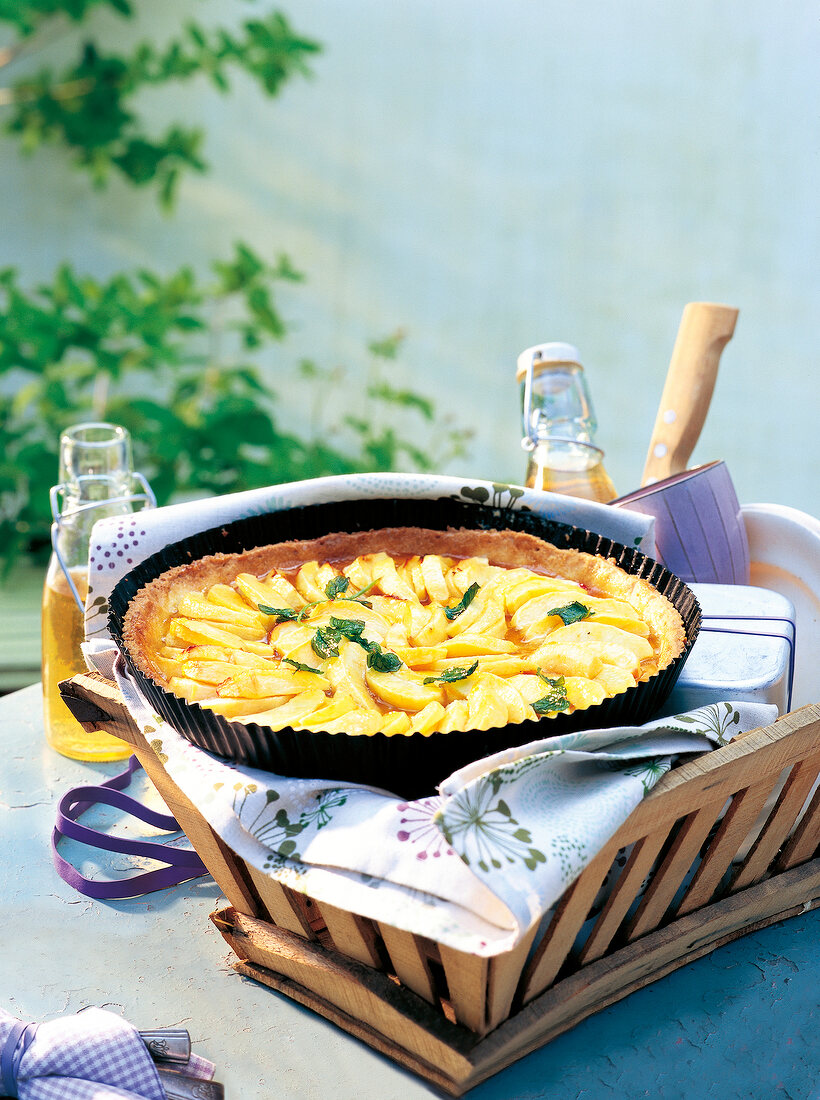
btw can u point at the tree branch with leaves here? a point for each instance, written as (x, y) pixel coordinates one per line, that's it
(89, 108)
(175, 360)
(183, 360)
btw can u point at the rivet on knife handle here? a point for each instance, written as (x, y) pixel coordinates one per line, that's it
(169, 1044)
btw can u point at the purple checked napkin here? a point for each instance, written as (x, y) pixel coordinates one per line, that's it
(94, 1055)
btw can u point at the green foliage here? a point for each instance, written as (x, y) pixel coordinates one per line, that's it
(89, 106)
(183, 362)
(28, 16)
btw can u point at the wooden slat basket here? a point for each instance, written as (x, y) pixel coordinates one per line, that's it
(729, 843)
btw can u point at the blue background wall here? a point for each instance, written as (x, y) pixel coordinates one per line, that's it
(487, 175)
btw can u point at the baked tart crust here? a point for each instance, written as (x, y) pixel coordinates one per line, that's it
(401, 630)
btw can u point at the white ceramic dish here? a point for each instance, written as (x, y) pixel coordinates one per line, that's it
(784, 549)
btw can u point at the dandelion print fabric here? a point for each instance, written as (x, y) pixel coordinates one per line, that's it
(473, 865)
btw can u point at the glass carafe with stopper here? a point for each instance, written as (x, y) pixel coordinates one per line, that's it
(96, 480)
(559, 424)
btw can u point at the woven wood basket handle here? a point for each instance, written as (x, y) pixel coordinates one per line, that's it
(705, 329)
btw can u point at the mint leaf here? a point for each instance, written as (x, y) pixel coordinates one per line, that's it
(337, 587)
(571, 612)
(347, 628)
(325, 643)
(381, 660)
(299, 666)
(283, 614)
(463, 604)
(555, 699)
(451, 675)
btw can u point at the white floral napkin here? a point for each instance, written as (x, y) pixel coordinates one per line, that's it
(473, 865)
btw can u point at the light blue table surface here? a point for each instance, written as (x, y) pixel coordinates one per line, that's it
(741, 1024)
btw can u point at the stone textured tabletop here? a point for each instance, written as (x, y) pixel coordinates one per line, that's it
(741, 1024)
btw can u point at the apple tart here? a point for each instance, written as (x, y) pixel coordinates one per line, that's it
(401, 631)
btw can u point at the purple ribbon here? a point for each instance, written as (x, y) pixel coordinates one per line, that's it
(181, 864)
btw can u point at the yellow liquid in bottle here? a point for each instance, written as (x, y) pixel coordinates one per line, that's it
(62, 625)
(570, 474)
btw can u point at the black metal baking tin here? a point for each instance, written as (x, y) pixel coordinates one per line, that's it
(411, 766)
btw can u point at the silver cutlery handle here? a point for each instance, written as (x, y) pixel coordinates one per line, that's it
(170, 1044)
(179, 1086)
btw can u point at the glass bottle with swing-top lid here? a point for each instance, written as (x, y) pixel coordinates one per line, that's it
(96, 480)
(559, 424)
